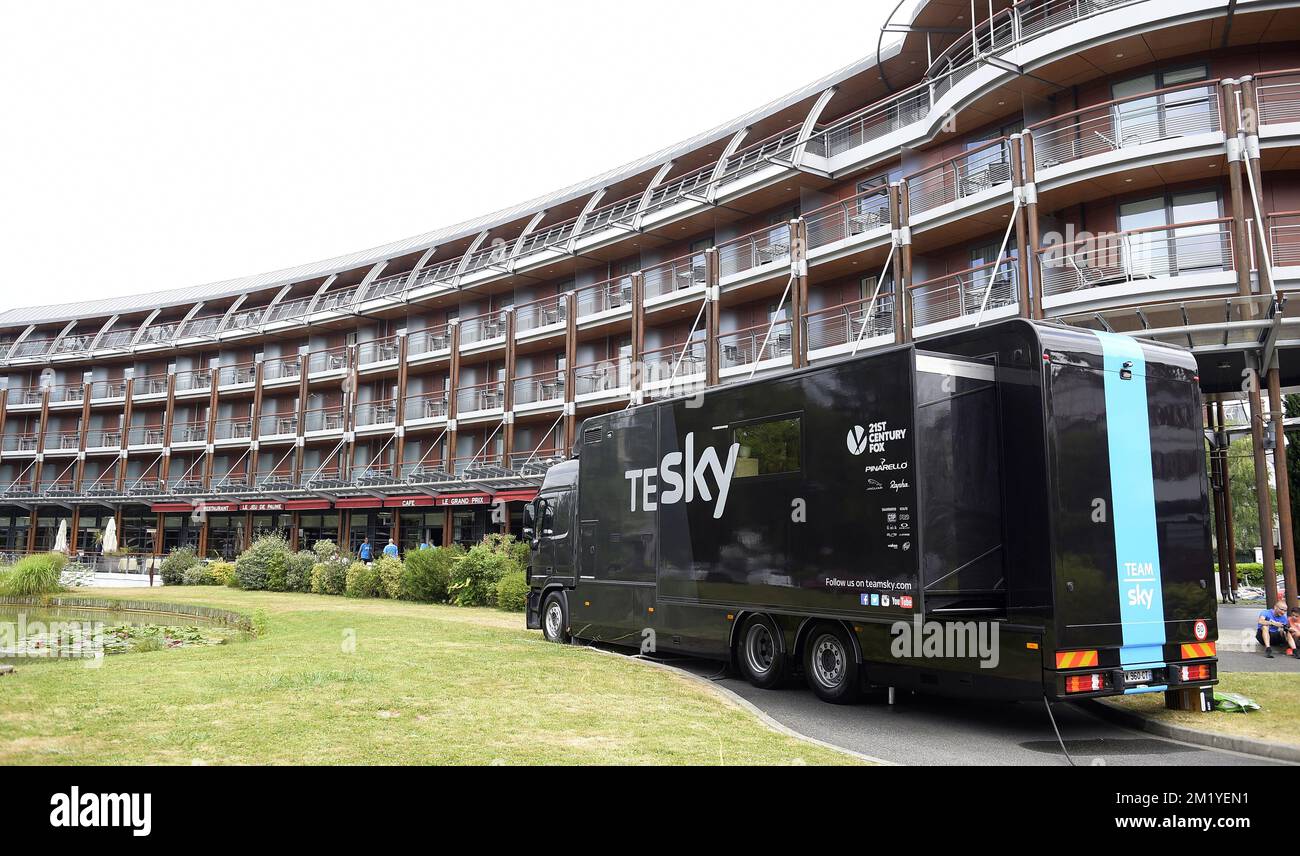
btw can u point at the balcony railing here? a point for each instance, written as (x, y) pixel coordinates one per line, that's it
(679, 188)
(855, 321)
(1124, 123)
(602, 375)
(962, 294)
(601, 217)
(193, 379)
(1278, 96)
(332, 359)
(145, 435)
(233, 429)
(429, 340)
(382, 412)
(204, 326)
(480, 396)
(543, 386)
(62, 440)
(104, 438)
(160, 334)
(195, 431)
(282, 368)
(675, 275)
(101, 390)
(495, 255)
(1039, 16)
(763, 247)
(429, 405)
(324, 419)
(20, 395)
(975, 171)
(482, 328)
(31, 348)
(277, 425)
(613, 293)
(28, 442)
(287, 310)
(959, 60)
(873, 121)
(745, 347)
(540, 313)
(678, 360)
(237, 374)
(1139, 254)
(149, 385)
(755, 156)
(66, 393)
(1284, 238)
(336, 301)
(377, 351)
(844, 219)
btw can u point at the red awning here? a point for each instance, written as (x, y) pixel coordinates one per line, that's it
(463, 499)
(526, 494)
(359, 502)
(163, 507)
(408, 501)
(306, 504)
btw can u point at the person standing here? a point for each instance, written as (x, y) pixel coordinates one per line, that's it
(366, 552)
(391, 549)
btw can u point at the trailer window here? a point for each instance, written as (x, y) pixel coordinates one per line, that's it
(768, 448)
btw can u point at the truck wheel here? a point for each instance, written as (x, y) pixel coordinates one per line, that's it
(555, 618)
(762, 660)
(830, 665)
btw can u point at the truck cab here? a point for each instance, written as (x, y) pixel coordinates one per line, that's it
(549, 529)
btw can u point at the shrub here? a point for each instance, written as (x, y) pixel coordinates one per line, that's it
(297, 575)
(474, 578)
(427, 573)
(362, 581)
(325, 550)
(263, 564)
(389, 573)
(330, 576)
(223, 573)
(176, 563)
(1251, 573)
(34, 575)
(512, 592)
(199, 575)
(506, 545)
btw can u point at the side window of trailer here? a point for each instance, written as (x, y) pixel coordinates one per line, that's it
(768, 446)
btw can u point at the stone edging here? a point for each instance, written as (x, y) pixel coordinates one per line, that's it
(1209, 739)
(181, 610)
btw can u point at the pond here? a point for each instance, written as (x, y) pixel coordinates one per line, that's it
(28, 632)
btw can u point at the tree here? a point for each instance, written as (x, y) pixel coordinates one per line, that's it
(1245, 504)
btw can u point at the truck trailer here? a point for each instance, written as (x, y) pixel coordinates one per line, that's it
(1017, 511)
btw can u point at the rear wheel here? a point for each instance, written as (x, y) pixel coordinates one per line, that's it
(830, 665)
(761, 657)
(555, 618)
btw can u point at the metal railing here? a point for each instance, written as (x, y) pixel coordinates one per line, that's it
(428, 340)
(972, 172)
(192, 379)
(337, 301)
(1284, 238)
(872, 122)
(1124, 123)
(602, 375)
(62, 440)
(850, 322)
(848, 217)
(963, 294)
(25, 395)
(328, 360)
(237, 374)
(429, 405)
(480, 396)
(149, 385)
(282, 368)
(745, 347)
(324, 419)
(145, 435)
(233, 429)
(104, 438)
(194, 431)
(1278, 95)
(1138, 254)
(677, 361)
(25, 442)
(599, 297)
(277, 425)
(675, 275)
(483, 328)
(757, 249)
(377, 351)
(540, 313)
(66, 393)
(102, 390)
(382, 412)
(755, 156)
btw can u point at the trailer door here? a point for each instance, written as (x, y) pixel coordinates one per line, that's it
(959, 474)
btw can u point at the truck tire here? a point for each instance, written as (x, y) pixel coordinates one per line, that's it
(555, 618)
(760, 654)
(830, 665)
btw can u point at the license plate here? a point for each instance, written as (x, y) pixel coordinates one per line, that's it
(1138, 676)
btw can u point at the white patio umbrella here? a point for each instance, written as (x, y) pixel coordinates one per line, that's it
(61, 539)
(110, 536)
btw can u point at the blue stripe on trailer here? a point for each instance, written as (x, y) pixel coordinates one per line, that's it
(1139, 690)
(1133, 503)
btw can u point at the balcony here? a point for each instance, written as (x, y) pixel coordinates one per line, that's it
(873, 122)
(770, 245)
(288, 310)
(958, 299)
(848, 325)
(840, 221)
(377, 351)
(429, 340)
(612, 294)
(976, 172)
(1284, 241)
(675, 275)
(762, 343)
(206, 325)
(190, 432)
(239, 374)
(62, 440)
(536, 314)
(324, 419)
(110, 438)
(27, 442)
(1161, 257)
(107, 390)
(282, 368)
(539, 388)
(1278, 96)
(233, 429)
(193, 379)
(1126, 123)
(337, 301)
(480, 397)
(330, 360)
(486, 327)
(429, 405)
(668, 365)
(145, 435)
(274, 425)
(68, 393)
(375, 413)
(602, 376)
(149, 385)
(25, 396)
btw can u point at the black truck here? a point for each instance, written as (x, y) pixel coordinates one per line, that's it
(1017, 511)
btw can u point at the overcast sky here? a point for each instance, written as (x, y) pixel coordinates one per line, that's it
(150, 145)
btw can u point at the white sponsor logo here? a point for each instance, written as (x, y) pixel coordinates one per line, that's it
(857, 440)
(129, 810)
(684, 477)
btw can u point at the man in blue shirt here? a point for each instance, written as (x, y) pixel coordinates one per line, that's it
(366, 552)
(391, 549)
(1273, 628)
(424, 545)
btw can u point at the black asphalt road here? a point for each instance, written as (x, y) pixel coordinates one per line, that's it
(925, 730)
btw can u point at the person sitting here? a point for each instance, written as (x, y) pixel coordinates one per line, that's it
(391, 549)
(1273, 628)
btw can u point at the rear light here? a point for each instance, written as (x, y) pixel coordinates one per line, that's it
(1084, 683)
(1197, 650)
(1199, 672)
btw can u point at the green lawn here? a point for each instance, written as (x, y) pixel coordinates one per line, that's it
(1277, 720)
(425, 684)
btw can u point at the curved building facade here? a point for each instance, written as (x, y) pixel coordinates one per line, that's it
(1126, 165)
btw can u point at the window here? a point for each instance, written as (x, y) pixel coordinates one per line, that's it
(769, 447)
(1156, 245)
(1170, 114)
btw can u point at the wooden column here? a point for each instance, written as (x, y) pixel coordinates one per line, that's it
(712, 317)
(902, 264)
(255, 419)
(570, 357)
(1261, 485)
(300, 441)
(42, 425)
(348, 452)
(446, 528)
(399, 406)
(798, 292)
(453, 391)
(126, 430)
(508, 394)
(79, 478)
(1240, 234)
(1225, 468)
(210, 448)
(1283, 492)
(1031, 222)
(1250, 104)
(1021, 228)
(638, 337)
(169, 421)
